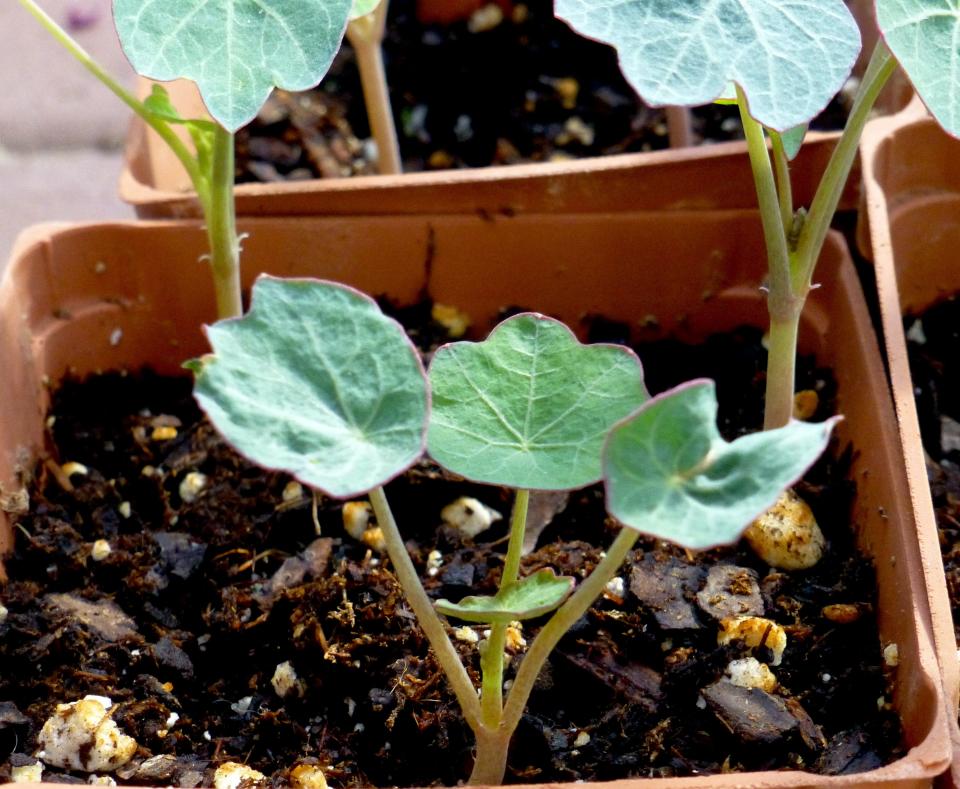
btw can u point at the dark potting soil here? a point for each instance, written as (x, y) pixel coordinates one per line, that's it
(199, 601)
(526, 90)
(933, 343)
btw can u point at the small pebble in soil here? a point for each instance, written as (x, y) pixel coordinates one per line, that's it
(285, 680)
(356, 518)
(805, 404)
(841, 613)
(486, 18)
(891, 655)
(191, 486)
(466, 634)
(469, 517)
(82, 736)
(751, 673)
(755, 631)
(125, 510)
(100, 550)
(307, 776)
(231, 775)
(454, 320)
(164, 433)
(787, 535)
(27, 774)
(71, 467)
(292, 491)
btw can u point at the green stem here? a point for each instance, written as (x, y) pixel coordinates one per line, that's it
(558, 624)
(491, 663)
(825, 201)
(781, 372)
(426, 615)
(159, 126)
(518, 527)
(222, 228)
(366, 37)
(778, 255)
(781, 165)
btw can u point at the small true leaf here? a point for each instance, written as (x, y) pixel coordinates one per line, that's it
(530, 406)
(530, 597)
(792, 139)
(789, 56)
(362, 8)
(201, 131)
(924, 36)
(317, 382)
(670, 474)
(236, 51)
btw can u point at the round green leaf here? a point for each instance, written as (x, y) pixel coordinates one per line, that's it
(530, 406)
(670, 474)
(924, 36)
(317, 382)
(789, 56)
(236, 51)
(530, 597)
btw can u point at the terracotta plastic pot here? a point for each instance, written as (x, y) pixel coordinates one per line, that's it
(912, 193)
(80, 299)
(704, 177)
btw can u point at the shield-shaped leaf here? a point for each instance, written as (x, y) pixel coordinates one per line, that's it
(236, 51)
(316, 381)
(924, 36)
(789, 56)
(530, 406)
(670, 474)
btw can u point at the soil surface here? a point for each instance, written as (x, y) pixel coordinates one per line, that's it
(199, 601)
(526, 89)
(933, 344)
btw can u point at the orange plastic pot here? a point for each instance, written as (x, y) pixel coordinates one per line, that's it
(912, 194)
(704, 177)
(86, 298)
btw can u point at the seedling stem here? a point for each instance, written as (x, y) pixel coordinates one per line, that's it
(791, 267)
(366, 36)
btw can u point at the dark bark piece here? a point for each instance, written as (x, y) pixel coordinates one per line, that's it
(849, 752)
(103, 618)
(168, 654)
(11, 716)
(751, 715)
(731, 591)
(666, 586)
(544, 506)
(312, 562)
(632, 682)
(181, 553)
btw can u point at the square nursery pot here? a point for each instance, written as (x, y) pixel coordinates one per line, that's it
(911, 229)
(86, 298)
(704, 177)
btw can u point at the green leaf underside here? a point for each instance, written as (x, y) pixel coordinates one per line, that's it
(789, 56)
(362, 8)
(235, 50)
(670, 474)
(530, 597)
(792, 139)
(924, 36)
(530, 406)
(317, 382)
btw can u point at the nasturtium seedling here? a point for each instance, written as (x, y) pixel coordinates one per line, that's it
(670, 474)
(315, 380)
(924, 35)
(236, 51)
(530, 406)
(789, 56)
(530, 597)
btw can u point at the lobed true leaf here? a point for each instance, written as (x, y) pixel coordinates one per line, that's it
(316, 381)
(670, 474)
(530, 406)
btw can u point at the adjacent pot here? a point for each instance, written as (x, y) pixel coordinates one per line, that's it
(912, 195)
(86, 298)
(706, 177)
